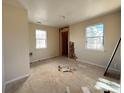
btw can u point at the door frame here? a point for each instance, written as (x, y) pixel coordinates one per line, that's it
(64, 29)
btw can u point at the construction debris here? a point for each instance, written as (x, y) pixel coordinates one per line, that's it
(67, 90)
(85, 90)
(65, 68)
(72, 50)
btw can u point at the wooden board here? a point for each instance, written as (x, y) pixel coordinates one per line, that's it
(67, 90)
(85, 90)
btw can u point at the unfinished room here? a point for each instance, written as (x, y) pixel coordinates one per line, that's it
(61, 46)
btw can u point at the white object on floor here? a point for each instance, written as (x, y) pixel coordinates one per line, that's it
(85, 90)
(65, 68)
(67, 90)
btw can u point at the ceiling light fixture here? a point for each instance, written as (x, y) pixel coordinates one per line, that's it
(39, 22)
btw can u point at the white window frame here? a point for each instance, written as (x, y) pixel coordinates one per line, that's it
(96, 49)
(40, 39)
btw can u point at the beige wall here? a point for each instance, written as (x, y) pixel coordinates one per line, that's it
(15, 43)
(112, 32)
(52, 49)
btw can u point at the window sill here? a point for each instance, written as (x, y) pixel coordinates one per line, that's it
(40, 48)
(99, 50)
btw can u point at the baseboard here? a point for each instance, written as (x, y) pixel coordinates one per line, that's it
(93, 63)
(16, 79)
(43, 59)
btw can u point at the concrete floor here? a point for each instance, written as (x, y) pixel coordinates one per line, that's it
(45, 78)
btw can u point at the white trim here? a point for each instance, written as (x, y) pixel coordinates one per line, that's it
(16, 79)
(43, 59)
(98, 65)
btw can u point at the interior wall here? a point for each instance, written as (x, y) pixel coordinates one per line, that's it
(112, 32)
(15, 43)
(52, 49)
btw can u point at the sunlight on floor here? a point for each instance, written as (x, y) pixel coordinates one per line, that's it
(104, 84)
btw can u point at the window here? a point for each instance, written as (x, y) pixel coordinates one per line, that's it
(41, 39)
(95, 37)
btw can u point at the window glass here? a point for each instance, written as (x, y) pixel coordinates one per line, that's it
(41, 37)
(95, 37)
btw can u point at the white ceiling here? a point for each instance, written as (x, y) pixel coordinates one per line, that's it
(50, 12)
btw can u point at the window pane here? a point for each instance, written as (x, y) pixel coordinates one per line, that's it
(40, 34)
(95, 43)
(40, 44)
(41, 37)
(93, 31)
(91, 43)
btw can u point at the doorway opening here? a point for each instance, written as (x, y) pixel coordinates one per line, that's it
(64, 40)
(65, 43)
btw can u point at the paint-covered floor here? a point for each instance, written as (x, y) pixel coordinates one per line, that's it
(45, 78)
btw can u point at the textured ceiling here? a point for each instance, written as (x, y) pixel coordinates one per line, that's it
(60, 13)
